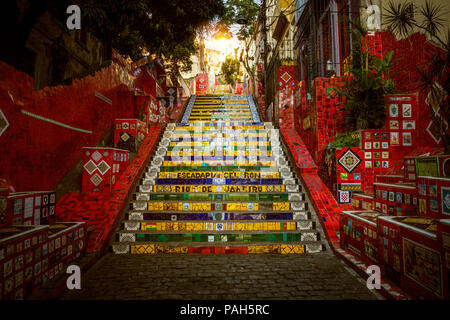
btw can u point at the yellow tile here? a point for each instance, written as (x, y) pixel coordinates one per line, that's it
(298, 249)
(143, 249)
(292, 249)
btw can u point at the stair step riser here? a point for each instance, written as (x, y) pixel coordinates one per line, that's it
(217, 206)
(217, 236)
(184, 225)
(250, 249)
(152, 196)
(182, 188)
(210, 216)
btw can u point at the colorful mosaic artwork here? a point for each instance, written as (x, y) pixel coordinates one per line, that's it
(349, 160)
(220, 177)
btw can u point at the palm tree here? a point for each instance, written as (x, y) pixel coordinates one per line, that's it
(403, 19)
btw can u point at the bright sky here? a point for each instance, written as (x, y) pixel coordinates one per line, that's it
(223, 45)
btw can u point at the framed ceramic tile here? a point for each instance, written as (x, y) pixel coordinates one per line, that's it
(384, 145)
(367, 155)
(395, 139)
(384, 197)
(376, 155)
(434, 205)
(385, 164)
(18, 206)
(407, 198)
(376, 145)
(344, 196)
(384, 208)
(376, 135)
(423, 206)
(432, 190)
(367, 136)
(408, 124)
(422, 188)
(385, 135)
(357, 176)
(394, 125)
(391, 196)
(445, 196)
(393, 110)
(406, 111)
(368, 164)
(367, 145)
(399, 197)
(377, 164)
(407, 138)
(385, 155)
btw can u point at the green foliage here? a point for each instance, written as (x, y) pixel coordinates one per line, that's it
(345, 140)
(235, 9)
(166, 28)
(230, 70)
(400, 18)
(366, 86)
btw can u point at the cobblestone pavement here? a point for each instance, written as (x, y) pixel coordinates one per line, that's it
(165, 276)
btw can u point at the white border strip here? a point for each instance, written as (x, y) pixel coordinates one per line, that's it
(102, 97)
(187, 113)
(251, 103)
(54, 122)
(6, 121)
(408, 226)
(354, 215)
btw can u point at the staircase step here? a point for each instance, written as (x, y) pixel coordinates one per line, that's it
(217, 236)
(208, 206)
(219, 248)
(272, 225)
(146, 187)
(279, 196)
(223, 216)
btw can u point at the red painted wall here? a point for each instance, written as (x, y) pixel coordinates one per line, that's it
(325, 116)
(145, 81)
(412, 53)
(38, 154)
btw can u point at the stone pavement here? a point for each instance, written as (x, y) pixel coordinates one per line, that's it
(205, 277)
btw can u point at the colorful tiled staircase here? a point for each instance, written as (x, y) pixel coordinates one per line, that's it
(219, 182)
